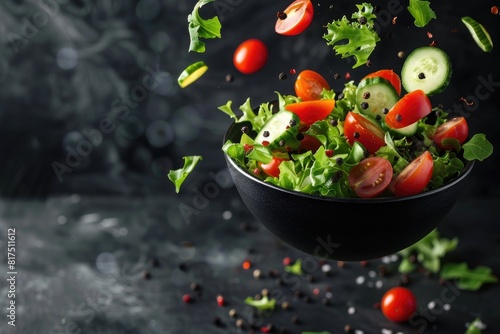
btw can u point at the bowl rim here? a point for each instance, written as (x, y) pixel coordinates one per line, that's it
(469, 164)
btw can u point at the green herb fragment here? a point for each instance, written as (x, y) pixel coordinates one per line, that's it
(179, 175)
(262, 304)
(475, 327)
(360, 35)
(468, 279)
(295, 268)
(256, 119)
(202, 28)
(421, 12)
(428, 252)
(477, 148)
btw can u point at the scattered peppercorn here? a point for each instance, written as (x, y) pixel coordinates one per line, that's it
(217, 322)
(347, 76)
(362, 20)
(281, 15)
(401, 54)
(339, 161)
(300, 136)
(336, 76)
(265, 133)
(331, 7)
(182, 266)
(295, 320)
(421, 76)
(341, 96)
(186, 298)
(220, 300)
(348, 328)
(293, 122)
(282, 76)
(239, 323)
(356, 134)
(385, 111)
(285, 305)
(364, 105)
(293, 71)
(229, 78)
(494, 10)
(154, 262)
(366, 95)
(378, 117)
(399, 118)
(334, 122)
(146, 275)
(329, 153)
(273, 273)
(244, 129)
(369, 63)
(257, 273)
(194, 286)
(233, 313)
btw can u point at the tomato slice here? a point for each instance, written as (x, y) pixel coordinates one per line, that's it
(390, 75)
(410, 108)
(250, 56)
(272, 168)
(311, 111)
(295, 18)
(398, 304)
(361, 129)
(456, 128)
(370, 177)
(309, 85)
(413, 178)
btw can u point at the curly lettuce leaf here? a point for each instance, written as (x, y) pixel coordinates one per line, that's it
(359, 34)
(256, 119)
(421, 12)
(178, 176)
(202, 28)
(263, 304)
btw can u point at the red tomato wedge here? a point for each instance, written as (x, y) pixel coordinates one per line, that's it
(370, 177)
(250, 56)
(309, 85)
(413, 178)
(311, 111)
(361, 129)
(272, 168)
(410, 108)
(295, 18)
(456, 128)
(389, 75)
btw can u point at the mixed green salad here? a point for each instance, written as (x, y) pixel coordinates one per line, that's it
(369, 140)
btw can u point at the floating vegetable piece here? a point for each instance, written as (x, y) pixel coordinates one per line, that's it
(479, 33)
(421, 12)
(192, 73)
(202, 28)
(178, 176)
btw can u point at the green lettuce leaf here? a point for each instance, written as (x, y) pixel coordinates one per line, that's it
(179, 175)
(477, 148)
(202, 28)
(263, 304)
(468, 279)
(421, 12)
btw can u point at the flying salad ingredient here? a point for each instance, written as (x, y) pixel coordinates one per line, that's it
(421, 12)
(478, 33)
(200, 28)
(192, 73)
(250, 56)
(295, 18)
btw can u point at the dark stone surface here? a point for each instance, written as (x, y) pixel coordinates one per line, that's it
(87, 241)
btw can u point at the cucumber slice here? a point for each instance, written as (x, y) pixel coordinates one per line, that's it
(280, 132)
(427, 68)
(409, 130)
(373, 95)
(192, 73)
(479, 33)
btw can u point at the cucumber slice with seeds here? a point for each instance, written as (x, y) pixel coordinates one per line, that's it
(280, 132)
(192, 73)
(479, 33)
(427, 68)
(373, 95)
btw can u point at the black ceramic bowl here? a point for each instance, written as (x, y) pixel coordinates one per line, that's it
(338, 228)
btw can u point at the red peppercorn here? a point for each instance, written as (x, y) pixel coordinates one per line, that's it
(287, 261)
(186, 298)
(220, 300)
(329, 153)
(494, 10)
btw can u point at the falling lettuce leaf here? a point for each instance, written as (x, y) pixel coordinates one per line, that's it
(295, 268)
(179, 175)
(421, 12)
(475, 327)
(263, 304)
(467, 278)
(477, 148)
(202, 28)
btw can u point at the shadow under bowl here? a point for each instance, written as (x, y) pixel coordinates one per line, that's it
(344, 229)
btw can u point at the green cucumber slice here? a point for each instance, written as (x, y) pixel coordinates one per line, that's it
(409, 130)
(479, 33)
(373, 95)
(280, 132)
(192, 73)
(427, 68)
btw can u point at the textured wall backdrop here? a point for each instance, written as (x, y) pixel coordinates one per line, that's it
(89, 101)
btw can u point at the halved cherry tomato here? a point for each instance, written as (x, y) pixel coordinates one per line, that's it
(309, 143)
(361, 129)
(456, 128)
(250, 56)
(370, 177)
(413, 178)
(295, 18)
(398, 304)
(311, 111)
(410, 108)
(272, 168)
(390, 75)
(309, 85)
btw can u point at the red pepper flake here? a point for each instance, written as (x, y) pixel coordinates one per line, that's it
(494, 10)
(316, 291)
(347, 76)
(293, 71)
(394, 19)
(265, 329)
(220, 300)
(433, 43)
(468, 103)
(186, 298)
(287, 261)
(247, 264)
(429, 35)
